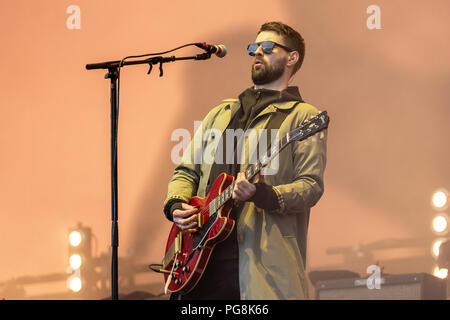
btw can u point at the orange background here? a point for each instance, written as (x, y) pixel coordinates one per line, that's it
(386, 92)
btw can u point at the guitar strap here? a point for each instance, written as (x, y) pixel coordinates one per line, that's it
(275, 122)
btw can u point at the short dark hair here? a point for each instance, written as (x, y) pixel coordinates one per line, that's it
(293, 38)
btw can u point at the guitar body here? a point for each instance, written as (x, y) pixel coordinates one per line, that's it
(187, 254)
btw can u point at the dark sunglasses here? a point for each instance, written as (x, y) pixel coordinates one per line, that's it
(266, 46)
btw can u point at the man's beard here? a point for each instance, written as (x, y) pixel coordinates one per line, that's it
(267, 74)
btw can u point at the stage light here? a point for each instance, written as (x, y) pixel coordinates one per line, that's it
(440, 224)
(439, 200)
(441, 273)
(435, 247)
(75, 284)
(80, 239)
(75, 261)
(80, 259)
(75, 238)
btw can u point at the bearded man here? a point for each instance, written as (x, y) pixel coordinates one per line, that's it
(265, 255)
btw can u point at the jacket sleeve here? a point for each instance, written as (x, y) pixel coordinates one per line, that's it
(185, 180)
(306, 188)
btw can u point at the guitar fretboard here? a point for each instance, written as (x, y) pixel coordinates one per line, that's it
(308, 128)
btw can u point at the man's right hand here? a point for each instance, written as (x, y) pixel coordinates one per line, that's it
(185, 219)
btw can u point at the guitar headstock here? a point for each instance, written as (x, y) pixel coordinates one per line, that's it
(310, 127)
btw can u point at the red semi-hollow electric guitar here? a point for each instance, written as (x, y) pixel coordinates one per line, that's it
(187, 254)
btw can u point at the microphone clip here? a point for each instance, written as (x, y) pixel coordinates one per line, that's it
(203, 56)
(161, 73)
(159, 60)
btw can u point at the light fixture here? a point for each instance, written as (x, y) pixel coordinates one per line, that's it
(75, 261)
(440, 224)
(441, 273)
(435, 247)
(80, 258)
(75, 284)
(439, 200)
(75, 238)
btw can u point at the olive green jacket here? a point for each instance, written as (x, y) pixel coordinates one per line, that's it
(272, 244)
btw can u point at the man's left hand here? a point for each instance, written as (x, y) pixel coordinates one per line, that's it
(243, 190)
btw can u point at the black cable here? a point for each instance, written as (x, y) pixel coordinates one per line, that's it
(155, 54)
(156, 267)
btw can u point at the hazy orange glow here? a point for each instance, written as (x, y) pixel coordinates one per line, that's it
(386, 92)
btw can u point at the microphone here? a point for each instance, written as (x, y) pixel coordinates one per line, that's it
(220, 50)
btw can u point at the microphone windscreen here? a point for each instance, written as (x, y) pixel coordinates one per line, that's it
(222, 52)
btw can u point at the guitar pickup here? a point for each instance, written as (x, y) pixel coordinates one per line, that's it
(178, 243)
(199, 220)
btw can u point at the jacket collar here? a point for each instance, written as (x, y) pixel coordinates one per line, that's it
(234, 105)
(285, 105)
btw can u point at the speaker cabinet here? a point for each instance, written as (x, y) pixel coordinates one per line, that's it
(418, 286)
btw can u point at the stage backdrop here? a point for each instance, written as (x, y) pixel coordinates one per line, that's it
(380, 68)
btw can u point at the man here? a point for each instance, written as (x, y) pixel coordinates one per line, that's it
(265, 255)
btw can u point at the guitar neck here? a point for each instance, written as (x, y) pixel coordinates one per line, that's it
(307, 129)
(251, 171)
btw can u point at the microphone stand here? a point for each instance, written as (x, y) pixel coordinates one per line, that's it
(113, 75)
